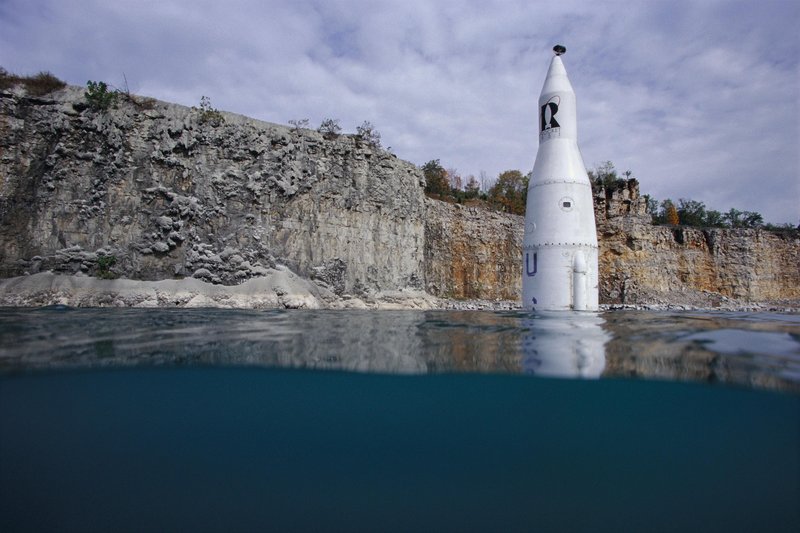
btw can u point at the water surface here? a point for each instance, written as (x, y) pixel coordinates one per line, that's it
(220, 420)
(748, 349)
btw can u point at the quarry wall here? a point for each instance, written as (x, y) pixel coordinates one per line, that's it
(164, 191)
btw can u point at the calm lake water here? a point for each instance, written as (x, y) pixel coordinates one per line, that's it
(231, 420)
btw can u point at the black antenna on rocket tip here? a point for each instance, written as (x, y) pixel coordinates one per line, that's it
(559, 50)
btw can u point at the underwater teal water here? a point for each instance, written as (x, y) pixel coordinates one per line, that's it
(215, 420)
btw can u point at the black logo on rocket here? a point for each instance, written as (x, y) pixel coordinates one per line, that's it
(548, 114)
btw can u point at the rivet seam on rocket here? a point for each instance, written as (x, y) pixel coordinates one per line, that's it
(556, 244)
(551, 182)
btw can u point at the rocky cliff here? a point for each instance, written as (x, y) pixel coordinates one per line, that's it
(173, 192)
(473, 253)
(644, 264)
(161, 191)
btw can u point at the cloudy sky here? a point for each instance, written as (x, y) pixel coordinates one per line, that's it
(699, 99)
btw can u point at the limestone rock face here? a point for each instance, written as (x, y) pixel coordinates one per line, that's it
(644, 264)
(163, 192)
(472, 252)
(656, 264)
(623, 200)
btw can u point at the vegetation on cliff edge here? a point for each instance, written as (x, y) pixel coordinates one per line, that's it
(508, 193)
(686, 212)
(37, 85)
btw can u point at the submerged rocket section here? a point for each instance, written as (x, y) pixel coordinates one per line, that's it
(559, 256)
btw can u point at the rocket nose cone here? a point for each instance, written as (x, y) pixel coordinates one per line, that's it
(556, 67)
(556, 79)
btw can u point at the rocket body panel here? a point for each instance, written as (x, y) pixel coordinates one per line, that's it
(560, 207)
(560, 267)
(549, 280)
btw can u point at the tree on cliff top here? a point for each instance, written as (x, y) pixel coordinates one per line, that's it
(694, 214)
(691, 212)
(670, 213)
(473, 188)
(743, 219)
(454, 179)
(367, 132)
(604, 176)
(329, 128)
(435, 179)
(510, 192)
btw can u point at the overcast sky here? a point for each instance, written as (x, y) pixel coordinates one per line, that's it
(699, 99)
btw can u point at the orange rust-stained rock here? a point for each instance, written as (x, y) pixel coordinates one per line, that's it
(475, 253)
(472, 252)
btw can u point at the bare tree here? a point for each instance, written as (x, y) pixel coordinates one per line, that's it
(298, 124)
(329, 128)
(454, 178)
(369, 134)
(486, 181)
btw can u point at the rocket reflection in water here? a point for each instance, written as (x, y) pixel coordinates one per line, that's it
(565, 345)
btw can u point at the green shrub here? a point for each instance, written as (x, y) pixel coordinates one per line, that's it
(99, 96)
(435, 179)
(209, 114)
(104, 264)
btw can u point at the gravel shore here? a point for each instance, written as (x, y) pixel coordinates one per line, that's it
(281, 288)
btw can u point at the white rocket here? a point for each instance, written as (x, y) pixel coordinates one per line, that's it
(559, 256)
